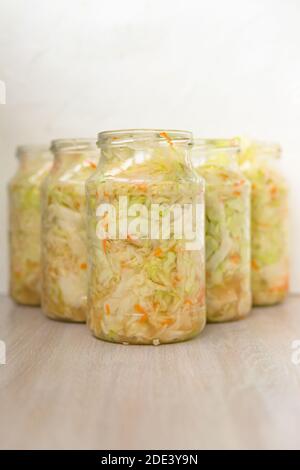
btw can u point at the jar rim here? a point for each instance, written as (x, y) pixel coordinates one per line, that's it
(33, 150)
(71, 145)
(267, 148)
(217, 143)
(125, 136)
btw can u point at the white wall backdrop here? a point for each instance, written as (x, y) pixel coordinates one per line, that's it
(75, 67)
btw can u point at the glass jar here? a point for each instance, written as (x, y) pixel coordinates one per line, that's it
(25, 224)
(227, 227)
(270, 221)
(64, 253)
(147, 280)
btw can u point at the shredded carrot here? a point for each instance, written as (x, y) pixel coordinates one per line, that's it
(283, 287)
(107, 309)
(236, 193)
(157, 252)
(254, 265)
(144, 318)
(261, 225)
(83, 266)
(167, 137)
(224, 176)
(273, 191)
(167, 321)
(92, 165)
(105, 245)
(238, 184)
(188, 302)
(106, 194)
(139, 309)
(142, 187)
(235, 258)
(201, 296)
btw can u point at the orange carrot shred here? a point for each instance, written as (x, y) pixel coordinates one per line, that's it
(107, 309)
(83, 266)
(235, 258)
(144, 318)
(167, 137)
(254, 265)
(139, 309)
(142, 187)
(158, 252)
(104, 245)
(167, 321)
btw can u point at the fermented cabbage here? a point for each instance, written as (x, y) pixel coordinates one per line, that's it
(64, 292)
(227, 230)
(25, 223)
(270, 252)
(142, 289)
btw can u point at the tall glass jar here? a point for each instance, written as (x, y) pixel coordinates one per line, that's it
(227, 198)
(270, 221)
(24, 223)
(64, 254)
(147, 277)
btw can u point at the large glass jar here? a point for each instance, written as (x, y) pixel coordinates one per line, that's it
(227, 227)
(25, 223)
(270, 221)
(64, 253)
(147, 280)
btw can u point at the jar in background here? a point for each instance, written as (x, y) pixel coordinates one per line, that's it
(64, 254)
(227, 227)
(269, 222)
(25, 223)
(146, 286)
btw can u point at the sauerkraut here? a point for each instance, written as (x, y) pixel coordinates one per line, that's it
(25, 223)
(270, 253)
(64, 254)
(227, 230)
(145, 289)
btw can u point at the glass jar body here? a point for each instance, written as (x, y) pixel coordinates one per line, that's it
(269, 224)
(64, 252)
(25, 224)
(227, 232)
(145, 287)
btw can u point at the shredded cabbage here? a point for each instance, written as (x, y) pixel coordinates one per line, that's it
(25, 226)
(227, 230)
(270, 257)
(64, 255)
(143, 290)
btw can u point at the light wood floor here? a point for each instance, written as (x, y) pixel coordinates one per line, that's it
(235, 386)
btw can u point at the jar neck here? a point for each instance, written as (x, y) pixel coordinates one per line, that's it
(33, 158)
(152, 152)
(72, 158)
(258, 153)
(217, 153)
(72, 152)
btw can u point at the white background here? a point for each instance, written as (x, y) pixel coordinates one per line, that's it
(217, 67)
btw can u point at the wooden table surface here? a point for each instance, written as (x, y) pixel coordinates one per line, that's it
(236, 386)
